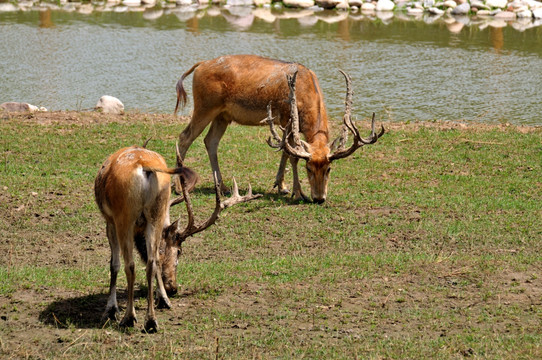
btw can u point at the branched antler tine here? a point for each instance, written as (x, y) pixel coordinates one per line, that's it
(235, 190)
(236, 198)
(189, 210)
(293, 125)
(374, 135)
(176, 201)
(294, 116)
(191, 229)
(347, 118)
(275, 135)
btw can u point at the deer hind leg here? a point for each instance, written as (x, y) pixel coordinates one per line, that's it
(297, 193)
(125, 234)
(112, 308)
(212, 139)
(199, 122)
(279, 180)
(152, 271)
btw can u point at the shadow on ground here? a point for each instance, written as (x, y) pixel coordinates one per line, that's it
(84, 312)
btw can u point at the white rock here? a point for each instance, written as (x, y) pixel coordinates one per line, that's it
(327, 4)
(110, 105)
(7, 7)
(86, 9)
(19, 107)
(533, 4)
(356, 3)
(461, 9)
(131, 2)
(479, 5)
(537, 13)
(149, 2)
(524, 14)
(302, 4)
(435, 11)
(260, 3)
(120, 9)
(368, 6)
(483, 13)
(343, 5)
(239, 2)
(385, 5)
(501, 4)
(506, 15)
(450, 4)
(414, 11)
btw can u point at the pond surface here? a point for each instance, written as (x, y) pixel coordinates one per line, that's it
(401, 69)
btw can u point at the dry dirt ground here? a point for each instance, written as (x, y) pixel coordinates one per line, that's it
(34, 321)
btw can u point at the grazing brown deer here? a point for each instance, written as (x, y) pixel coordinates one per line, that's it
(238, 88)
(132, 190)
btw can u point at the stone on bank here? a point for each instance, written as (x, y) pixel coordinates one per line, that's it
(110, 105)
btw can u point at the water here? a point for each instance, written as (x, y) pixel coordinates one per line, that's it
(402, 70)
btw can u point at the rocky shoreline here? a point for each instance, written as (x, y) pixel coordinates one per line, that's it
(504, 10)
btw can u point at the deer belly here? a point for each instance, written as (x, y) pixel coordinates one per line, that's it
(245, 115)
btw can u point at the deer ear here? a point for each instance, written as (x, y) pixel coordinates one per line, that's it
(191, 178)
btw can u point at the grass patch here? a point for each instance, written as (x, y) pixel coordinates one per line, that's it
(428, 247)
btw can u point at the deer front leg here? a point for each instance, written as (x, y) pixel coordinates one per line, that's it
(279, 180)
(297, 193)
(199, 122)
(212, 139)
(163, 300)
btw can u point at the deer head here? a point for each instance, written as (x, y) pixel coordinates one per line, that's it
(318, 156)
(174, 235)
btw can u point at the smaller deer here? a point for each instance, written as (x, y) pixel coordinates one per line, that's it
(132, 190)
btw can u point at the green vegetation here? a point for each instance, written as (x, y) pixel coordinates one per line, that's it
(428, 247)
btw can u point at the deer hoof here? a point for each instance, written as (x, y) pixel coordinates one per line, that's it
(163, 303)
(299, 196)
(151, 326)
(111, 313)
(128, 321)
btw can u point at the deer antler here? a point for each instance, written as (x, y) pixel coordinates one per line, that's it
(279, 143)
(348, 125)
(300, 148)
(173, 231)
